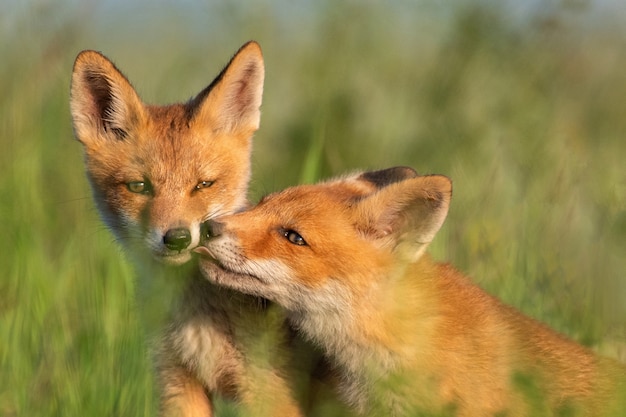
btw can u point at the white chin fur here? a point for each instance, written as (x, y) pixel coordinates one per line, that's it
(173, 258)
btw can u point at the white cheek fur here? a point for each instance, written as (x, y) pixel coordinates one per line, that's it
(277, 281)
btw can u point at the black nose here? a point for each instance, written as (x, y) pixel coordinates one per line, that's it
(211, 228)
(177, 239)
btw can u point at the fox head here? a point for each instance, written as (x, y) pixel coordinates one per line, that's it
(313, 246)
(158, 172)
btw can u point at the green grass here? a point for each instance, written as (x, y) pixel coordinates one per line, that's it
(526, 118)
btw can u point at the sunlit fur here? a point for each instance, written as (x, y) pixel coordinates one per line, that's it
(174, 148)
(207, 347)
(409, 336)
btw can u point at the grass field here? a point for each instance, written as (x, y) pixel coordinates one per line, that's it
(525, 112)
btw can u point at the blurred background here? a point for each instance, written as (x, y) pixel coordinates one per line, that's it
(521, 103)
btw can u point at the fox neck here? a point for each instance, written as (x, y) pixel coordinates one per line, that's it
(377, 331)
(159, 289)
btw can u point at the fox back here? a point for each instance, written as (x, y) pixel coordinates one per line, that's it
(157, 172)
(409, 336)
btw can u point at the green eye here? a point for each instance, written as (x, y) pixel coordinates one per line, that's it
(139, 187)
(294, 237)
(204, 184)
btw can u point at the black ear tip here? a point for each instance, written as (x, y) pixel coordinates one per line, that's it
(384, 177)
(403, 172)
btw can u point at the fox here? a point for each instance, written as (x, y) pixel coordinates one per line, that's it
(157, 172)
(406, 335)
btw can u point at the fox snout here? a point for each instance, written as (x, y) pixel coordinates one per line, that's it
(210, 229)
(177, 239)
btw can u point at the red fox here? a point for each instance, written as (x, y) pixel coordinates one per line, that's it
(158, 172)
(407, 335)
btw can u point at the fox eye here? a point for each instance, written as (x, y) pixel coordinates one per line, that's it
(294, 237)
(139, 187)
(203, 184)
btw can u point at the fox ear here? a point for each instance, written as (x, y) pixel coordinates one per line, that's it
(232, 102)
(406, 215)
(102, 101)
(384, 177)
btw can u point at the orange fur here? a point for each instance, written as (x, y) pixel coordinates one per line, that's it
(158, 172)
(407, 335)
(171, 150)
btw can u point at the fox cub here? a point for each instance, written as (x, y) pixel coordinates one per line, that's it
(407, 335)
(158, 172)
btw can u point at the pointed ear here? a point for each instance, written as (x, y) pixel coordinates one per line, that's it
(231, 103)
(102, 101)
(406, 215)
